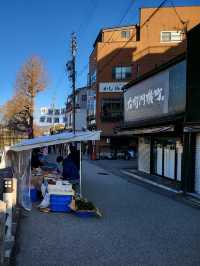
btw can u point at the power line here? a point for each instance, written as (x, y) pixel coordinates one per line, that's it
(89, 17)
(120, 22)
(83, 69)
(178, 15)
(145, 22)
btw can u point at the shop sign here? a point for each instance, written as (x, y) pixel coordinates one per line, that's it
(159, 95)
(149, 98)
(111, 86)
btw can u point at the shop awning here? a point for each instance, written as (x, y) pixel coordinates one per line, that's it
(146, 130)
(56, 139)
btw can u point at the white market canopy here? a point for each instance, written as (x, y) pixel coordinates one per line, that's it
(56, 139)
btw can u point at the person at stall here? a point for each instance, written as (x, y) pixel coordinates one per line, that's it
(74, 155)
(69, 170)
(35, 159)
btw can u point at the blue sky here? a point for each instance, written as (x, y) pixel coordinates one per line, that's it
(43, 28)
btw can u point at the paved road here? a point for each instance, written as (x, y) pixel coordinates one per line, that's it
(139, 227)
(116, 165)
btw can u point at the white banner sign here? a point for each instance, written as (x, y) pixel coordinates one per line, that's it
(111, 86)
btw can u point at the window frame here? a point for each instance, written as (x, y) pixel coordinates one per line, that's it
(171, 39)
(56, 118)
(42, 119)
(112, 116)
(49, 118)
(50, 111)
(126, 33)
(84, 97)
(120, 73)
(56, 111)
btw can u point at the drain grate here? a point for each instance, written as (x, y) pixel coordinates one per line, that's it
(101, 173)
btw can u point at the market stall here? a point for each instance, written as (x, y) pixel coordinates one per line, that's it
(19, 157)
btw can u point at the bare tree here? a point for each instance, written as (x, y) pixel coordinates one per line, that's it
(18, 112)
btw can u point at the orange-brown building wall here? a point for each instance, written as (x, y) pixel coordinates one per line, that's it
(109, 55)
(113, 36)
(150, 51)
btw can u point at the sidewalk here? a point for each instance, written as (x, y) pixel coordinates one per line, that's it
(138, 227)
(128, 171)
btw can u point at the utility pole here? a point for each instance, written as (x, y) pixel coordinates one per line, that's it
(71, 69)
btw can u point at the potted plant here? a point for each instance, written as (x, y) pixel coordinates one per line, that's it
(84, 208)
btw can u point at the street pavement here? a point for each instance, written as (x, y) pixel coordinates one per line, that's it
(139, 227)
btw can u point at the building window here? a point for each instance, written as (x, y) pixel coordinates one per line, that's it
(111, 110)
(70, 119)
(49, 119)
(44, 110)
(122, 73)
(93, 77)
(171, 36)
(63, 111)
(91, 103)
(50, 111)
(56, 119)
(138, 69)
(125, 34)
(84, 98)
(42, 119)
(57, 111)
(64, 119)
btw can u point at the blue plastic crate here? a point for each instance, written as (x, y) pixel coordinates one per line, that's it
(57, 207)
(60, 199)
(34, 194)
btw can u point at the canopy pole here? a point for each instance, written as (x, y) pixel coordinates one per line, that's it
(80, 181)
(19, 163)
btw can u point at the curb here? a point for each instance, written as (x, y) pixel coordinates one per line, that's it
(188, 198)
(150, 182)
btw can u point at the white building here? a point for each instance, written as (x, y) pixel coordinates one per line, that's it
(50, 116)
(80, 112)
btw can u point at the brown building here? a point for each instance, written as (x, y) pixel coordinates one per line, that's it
(162, 35)
(125, 53)
(110, 69)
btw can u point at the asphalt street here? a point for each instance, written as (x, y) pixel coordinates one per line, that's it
(139, 227)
